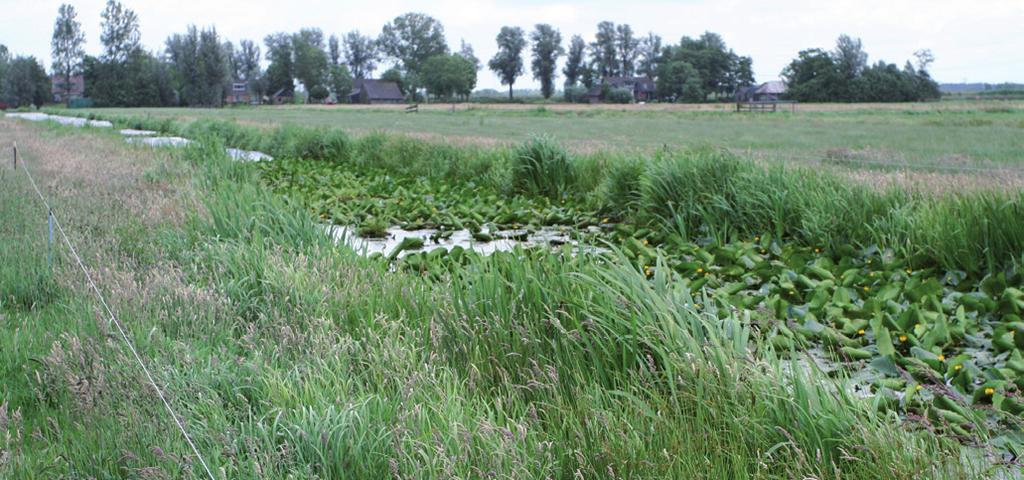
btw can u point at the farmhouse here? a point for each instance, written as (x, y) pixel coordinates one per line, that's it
(765, 92)
(77, 88)
(282, 97)
(642, 87)
(375, 91)
(238, 94)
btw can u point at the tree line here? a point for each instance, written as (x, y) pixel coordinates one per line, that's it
(198, 67)
(844, 75)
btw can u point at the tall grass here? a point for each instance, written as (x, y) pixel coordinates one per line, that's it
(542, 167)
(705, 190)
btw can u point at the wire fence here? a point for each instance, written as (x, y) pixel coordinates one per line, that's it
(53, 221)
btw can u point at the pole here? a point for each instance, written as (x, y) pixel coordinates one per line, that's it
(49, 253)
(15, 155)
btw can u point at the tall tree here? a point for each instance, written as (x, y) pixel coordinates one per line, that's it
(850, 57)
(410, 39)
(361, 53)
(310, 58)
(627, 47)
(281, 72)
(66, 47)
(120, 36)
(214, 69)
(466, 51)
(574, 61)
(334, 50)
(247, 60)
(508, 62)
(24, 82)
(604, 50)
(745, 72)
(447, 76)
(650, 52)
(547, 47)
(340, 82)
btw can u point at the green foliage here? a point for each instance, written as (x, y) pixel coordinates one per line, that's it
(679, 81)
(618, 95)
(542, 167)
(281, 71)
(446, 76)
(200, 67)
(341, 83)
(141, 80)
(507, 63)
(411, 39)
(309, 58)
(547, 47)
(24, 82)
(844, 76)
(574, 61)
(66, 46)
(575, 94)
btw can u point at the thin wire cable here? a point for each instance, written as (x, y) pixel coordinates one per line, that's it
(120, 328)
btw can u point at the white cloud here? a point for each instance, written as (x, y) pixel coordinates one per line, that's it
(975, 41)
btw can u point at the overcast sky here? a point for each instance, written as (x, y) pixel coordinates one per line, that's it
(975, 41)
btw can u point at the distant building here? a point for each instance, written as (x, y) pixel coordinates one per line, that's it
(282, 97)
(77, 88)
(643, 88)
(765, 92)
(239, 94)
(375, 91)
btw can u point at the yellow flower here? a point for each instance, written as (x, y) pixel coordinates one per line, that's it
(700, 270)
(763, 251)
(792, 292)
(917, 325)
(989, 390)
(648, 271)
(865, 288)
(817, 250)
(604, 220)
(917, 388)
(869, 261)
(957, 367)
(942, 358)
(860, 332)
(757, 238)
(645, 241)
(903, 338)
(910, 271)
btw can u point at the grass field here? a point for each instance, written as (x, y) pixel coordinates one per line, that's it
(953, 133)
(721, 337)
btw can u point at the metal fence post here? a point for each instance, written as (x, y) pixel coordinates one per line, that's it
(49, 253)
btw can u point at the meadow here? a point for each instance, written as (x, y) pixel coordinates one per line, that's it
(749, 319)
(954, 134)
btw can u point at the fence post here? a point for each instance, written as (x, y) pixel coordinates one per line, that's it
(49, 252)
(15, 155)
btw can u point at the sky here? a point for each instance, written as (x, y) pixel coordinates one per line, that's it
(977, 41)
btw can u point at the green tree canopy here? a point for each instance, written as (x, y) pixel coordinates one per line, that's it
(411, 39)
(547, 47)
(66, 46)
(574, 61)
(120, 36)
(446, 76)
(361, 53)
(508, 62)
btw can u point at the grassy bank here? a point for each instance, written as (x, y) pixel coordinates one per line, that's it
(291, 357)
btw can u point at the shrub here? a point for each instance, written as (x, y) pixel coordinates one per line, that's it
(619, 95)
(575, 94)
(542, 167)
(290, 141)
